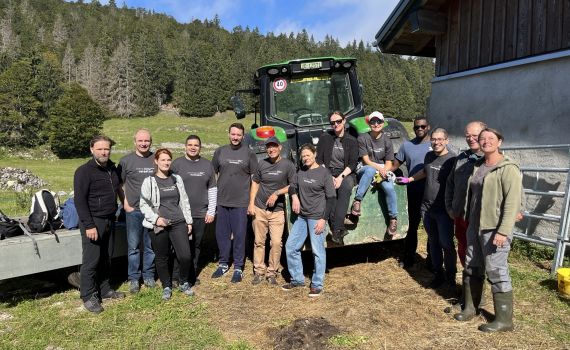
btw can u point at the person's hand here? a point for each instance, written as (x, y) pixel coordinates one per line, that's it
(271, 200)
(519, 217)
(162, 222)
(382, 171)
(209, 219)
(128, 207)
(251, 210)
(499, 240)
(320, 226)
(190, 230)
(337, 181)
(91, 233)
(402, 180)
(296, 205)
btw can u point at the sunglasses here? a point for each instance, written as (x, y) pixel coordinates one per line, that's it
(376, 122)
(336, 122)
(417, 127)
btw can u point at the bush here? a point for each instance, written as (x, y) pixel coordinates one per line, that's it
(73, 121)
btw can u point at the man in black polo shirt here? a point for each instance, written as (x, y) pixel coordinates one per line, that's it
(96, 185)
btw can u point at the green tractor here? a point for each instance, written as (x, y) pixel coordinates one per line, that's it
(294, 101)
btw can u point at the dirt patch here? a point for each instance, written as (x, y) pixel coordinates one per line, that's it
(369, 301)
(304, 333)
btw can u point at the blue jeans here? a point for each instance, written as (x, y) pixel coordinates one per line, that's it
(231, 221)
(301, 227)
(135, 233)
(439, 228)
(365, 176)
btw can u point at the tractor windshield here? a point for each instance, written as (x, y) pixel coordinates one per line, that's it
(306, 101)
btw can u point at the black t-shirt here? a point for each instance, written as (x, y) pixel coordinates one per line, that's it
(198, 176)
(234, 168)
(169, 199)
(314, 186)
(437, 170)
(272, 177)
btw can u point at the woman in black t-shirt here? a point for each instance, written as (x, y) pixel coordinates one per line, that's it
(166, 208)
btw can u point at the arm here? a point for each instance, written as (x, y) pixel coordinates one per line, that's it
(252, 193)
(145, 203)
(275, 195)
(449, 192)
(212, 202)
(184, 201)
(81, 189)
(512, 191)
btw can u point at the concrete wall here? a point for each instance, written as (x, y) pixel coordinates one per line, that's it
(530, 105)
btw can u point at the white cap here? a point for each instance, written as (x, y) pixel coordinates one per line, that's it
(376, 115)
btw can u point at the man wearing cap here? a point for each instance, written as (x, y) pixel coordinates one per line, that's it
(234, 163)
(377, 153)
(266, 204)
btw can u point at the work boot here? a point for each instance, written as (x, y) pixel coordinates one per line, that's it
(503, 314)
(471, 289)
(392, 228)
(355, 210)
(93, 304)
(337, 236)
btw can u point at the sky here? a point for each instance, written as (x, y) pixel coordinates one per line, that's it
(345, 20)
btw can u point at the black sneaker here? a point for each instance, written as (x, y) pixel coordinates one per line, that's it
(134, 287)
(113, 294)
(315, 292)
(237, 276)
(220, 271)
(257, 279)
(337, 236)
(93, 304)
(290, 286)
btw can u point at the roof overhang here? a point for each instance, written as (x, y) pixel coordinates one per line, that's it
(412, 27)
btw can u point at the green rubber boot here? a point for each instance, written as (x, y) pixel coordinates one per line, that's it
(503, 314)
(472, 287)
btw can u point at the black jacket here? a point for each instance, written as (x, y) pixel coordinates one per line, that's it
(96, 189)
(325, 148)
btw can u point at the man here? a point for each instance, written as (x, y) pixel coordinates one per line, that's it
(456, 189)
(266, 204)
(134, 168)
(438, 164)
(412, 153)
(96, 185)
(377, 153)
(200, 184)
(234, 164)
(337, 151)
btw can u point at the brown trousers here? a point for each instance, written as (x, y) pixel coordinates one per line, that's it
(263, 222)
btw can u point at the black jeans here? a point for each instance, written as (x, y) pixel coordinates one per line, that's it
(415, 195)
(177, 235)
(96, 259)
(198, 228)
(343, 195)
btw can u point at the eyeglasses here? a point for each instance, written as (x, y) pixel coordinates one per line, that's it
(416, 127)
(376, 122)
(336, 122)
(469, 137)
(438, 140)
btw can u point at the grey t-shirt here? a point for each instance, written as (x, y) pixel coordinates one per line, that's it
(198, 176)
(134, 169)
(272, 177)
(169, 199)
(475, 192)
(378, 150)
(337, 158)
(437, 170)
(314, 186)
(234, 168)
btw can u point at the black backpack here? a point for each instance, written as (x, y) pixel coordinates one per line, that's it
(45, 212)
(9, 227)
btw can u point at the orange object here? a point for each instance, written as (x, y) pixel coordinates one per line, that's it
(265, 132)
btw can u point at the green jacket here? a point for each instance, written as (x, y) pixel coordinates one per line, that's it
(501, 196)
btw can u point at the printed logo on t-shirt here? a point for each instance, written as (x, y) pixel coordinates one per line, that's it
(235, 161)
(275, 173)
(168, 188)
(196, 173)
(378, 150)
(144, 170)
(435, 167)
(309, 181)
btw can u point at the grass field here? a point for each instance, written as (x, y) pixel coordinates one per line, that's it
(369, 302)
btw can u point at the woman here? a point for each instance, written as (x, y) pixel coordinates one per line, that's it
(312, 201)
(338, 152)
(492, 205)
(166, 210)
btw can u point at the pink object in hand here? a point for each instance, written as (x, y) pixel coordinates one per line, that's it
(402, 180)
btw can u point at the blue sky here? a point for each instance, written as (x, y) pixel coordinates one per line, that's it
(343, 19)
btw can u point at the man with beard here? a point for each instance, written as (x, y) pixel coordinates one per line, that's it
(96, 185)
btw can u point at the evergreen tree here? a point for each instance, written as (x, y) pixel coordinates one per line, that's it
(91, 72)
(73, 121)
(120, 82)
(49, 77)
(68, 64)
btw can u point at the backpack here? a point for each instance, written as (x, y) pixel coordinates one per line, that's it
(69, 214)
(44, 212)
(9, 227)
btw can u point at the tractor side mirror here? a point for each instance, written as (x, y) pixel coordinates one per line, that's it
(237, 104)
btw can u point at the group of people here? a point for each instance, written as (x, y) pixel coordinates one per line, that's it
(169, 203)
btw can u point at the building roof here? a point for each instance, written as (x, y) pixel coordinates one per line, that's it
(412, 27)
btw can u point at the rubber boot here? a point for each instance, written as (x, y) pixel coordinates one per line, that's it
(472, 287)
(484, 299)
(503, 314)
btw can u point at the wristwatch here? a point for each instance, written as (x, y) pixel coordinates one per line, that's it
(342, 175)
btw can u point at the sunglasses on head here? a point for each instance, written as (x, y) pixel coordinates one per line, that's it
(416, 127)
(336, 122)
